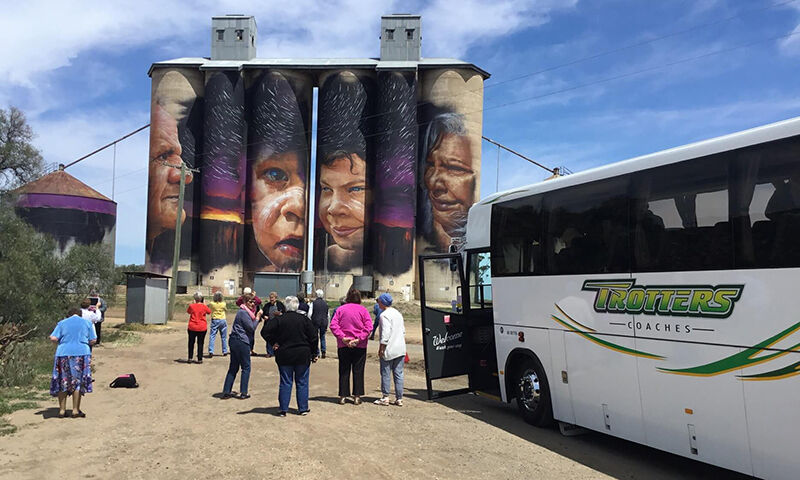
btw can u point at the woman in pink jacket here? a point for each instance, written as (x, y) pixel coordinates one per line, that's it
(351, 325)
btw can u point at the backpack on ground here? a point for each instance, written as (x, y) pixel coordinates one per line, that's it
(124, 381)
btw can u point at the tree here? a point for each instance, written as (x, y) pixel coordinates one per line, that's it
(36, 284)
(20, 161)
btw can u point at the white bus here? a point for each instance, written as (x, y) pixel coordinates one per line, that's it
(650, 299)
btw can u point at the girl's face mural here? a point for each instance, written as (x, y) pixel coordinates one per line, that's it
(342, 199)
(450, 181)
(278, 209)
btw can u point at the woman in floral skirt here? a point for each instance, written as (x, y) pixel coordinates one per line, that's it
(72, 373)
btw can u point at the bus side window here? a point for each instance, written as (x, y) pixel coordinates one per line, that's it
(588, 228)
(516, 237)
(680, 217)
(766, 204)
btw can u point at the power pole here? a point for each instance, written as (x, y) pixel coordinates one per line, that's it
(173, 284)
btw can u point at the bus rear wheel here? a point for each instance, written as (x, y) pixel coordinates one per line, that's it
(533, 393)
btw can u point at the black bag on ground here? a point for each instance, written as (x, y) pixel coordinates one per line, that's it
(124, 381)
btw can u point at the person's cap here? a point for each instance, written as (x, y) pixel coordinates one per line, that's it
(247, 290)
(320, 293)
(385, 299)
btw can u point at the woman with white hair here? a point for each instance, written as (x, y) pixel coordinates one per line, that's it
(197, 326)
(294, 340)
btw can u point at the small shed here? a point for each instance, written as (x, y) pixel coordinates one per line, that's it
(147, 297)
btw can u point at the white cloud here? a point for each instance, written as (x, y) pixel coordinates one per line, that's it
(44, 36)
(451, 28)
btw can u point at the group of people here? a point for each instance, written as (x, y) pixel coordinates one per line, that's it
(76, 335)
(294, 332)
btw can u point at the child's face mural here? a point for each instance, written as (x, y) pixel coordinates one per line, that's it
(450, 181)
(278, 209)
(342, 199)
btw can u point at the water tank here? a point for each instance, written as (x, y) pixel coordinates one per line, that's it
(306, 277)
(70, 211)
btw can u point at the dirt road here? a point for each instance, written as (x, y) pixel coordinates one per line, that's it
(175, 426)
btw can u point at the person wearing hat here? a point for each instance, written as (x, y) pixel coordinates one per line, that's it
(392, 351)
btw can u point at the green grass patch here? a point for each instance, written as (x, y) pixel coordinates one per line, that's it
(141, 327)
(6, 428)
(26, 363)
(121, 338)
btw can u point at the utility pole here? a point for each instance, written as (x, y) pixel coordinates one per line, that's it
(173, 284)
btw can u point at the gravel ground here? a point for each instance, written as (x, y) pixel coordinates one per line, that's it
(176, 426)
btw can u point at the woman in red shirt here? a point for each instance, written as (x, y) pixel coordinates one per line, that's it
(197, 326)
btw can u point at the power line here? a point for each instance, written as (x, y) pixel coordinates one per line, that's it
(493, 107)
(106, 146)
(500, 145)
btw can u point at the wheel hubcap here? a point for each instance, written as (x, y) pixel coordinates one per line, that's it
(529, 390)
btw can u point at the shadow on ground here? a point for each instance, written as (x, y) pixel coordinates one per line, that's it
(595, 450)
(51, 412)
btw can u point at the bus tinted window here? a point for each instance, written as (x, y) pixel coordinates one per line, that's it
(516, 237)
(680, 217)
(587, 230)
(766, 204)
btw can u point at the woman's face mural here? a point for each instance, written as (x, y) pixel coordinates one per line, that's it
(278, 208)
(450, 181)
(342, 201)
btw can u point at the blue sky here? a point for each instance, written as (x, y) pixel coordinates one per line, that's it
(81, 74)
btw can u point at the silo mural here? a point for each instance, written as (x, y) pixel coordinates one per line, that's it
(394, 194)
(70, 211)
(176, 123)
(223, 175)
(396, 168)
(450, 118)
(345, 162)
(277, 170)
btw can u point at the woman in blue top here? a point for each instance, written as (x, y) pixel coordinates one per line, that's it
(240, 344)
(72, 372)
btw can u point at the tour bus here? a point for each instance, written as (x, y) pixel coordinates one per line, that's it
(648, 299)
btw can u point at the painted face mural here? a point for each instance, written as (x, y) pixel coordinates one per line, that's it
(277, 163)
(164, 180)
(342, 203)
(278, 209)
(176, 125)
(449, 178)
(343, 162)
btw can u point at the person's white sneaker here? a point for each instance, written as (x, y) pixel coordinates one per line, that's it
(382, 401)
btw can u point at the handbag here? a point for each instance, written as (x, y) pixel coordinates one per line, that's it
(124, 381)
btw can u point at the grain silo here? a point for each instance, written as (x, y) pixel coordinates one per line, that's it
(70, 211)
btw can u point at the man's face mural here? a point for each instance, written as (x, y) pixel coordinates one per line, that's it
(342, 198)
(450, 181)
(164, 179)
(278, 209)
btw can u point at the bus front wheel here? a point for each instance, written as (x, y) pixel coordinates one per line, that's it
(533, 393)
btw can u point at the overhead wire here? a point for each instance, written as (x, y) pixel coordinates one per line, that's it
(534, 97)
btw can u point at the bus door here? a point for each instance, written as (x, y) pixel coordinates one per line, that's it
(458, 341)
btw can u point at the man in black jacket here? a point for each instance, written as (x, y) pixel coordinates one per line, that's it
(318, 313)
(271, 309)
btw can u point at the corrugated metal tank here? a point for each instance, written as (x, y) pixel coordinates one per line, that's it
(70, 211)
